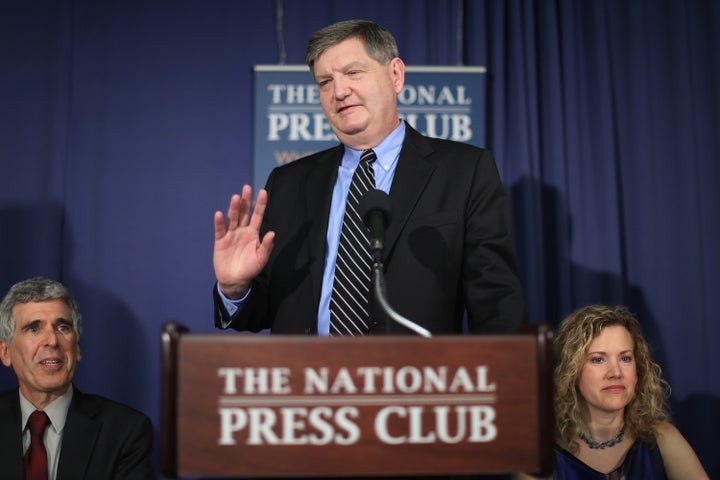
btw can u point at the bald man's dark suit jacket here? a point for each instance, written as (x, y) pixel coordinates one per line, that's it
(448, 245)
(102, 439)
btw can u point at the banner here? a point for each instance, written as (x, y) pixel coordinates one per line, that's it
(443, 102)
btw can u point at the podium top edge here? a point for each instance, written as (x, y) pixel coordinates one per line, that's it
(368, 339)
(179, 331)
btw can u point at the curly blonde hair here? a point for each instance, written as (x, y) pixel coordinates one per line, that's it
(575, 333)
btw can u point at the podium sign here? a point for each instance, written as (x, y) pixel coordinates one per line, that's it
(374, 405)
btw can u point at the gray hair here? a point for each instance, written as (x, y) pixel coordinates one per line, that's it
(379, 42)
(36, 289)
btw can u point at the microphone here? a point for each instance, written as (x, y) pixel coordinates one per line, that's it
(375, 210)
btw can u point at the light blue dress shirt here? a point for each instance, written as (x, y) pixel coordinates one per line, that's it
(387, 152)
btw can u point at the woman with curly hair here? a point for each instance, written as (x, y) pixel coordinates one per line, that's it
(611, 415)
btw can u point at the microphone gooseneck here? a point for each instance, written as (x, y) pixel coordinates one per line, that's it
(375, 210)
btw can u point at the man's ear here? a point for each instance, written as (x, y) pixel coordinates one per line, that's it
(5, 353)
(397, 71)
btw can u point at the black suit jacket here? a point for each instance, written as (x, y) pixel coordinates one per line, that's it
(448, 246)
(102, 439)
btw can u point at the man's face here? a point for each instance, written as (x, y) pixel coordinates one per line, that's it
(44, 350)
(358, 94)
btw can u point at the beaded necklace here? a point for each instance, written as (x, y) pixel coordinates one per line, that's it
(594, 444)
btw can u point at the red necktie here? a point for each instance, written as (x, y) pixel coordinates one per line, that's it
(36, 463)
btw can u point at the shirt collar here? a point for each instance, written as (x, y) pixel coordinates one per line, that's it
(56, 411)
(386, 151)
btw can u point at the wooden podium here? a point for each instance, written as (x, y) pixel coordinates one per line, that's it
(293, 406)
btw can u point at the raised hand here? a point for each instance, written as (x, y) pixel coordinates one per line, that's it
(238, 253)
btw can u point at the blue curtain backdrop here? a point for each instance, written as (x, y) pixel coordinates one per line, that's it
(125, 125)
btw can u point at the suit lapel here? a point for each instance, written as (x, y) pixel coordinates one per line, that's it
(81, 432)
(11, 454)
(412, 174)
(319, 185)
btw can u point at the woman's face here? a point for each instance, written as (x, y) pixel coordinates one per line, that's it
(608, 377)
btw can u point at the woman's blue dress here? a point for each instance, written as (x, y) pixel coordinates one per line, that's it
(642, 462)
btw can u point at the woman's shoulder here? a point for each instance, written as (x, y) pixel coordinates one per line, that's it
(678, 455)
(666, 429)
(668, 436)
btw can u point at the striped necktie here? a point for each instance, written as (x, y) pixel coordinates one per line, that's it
(351, 286)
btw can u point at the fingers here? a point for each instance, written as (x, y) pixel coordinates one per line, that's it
(267, 243)
(219, 221)
(234, 212)
(259, 210)
(245, 203)
(264, 248)
(238, 214)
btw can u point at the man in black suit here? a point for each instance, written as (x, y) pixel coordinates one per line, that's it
(88, 436)
(448, 247)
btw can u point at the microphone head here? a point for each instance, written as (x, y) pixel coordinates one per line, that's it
(375, 201)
